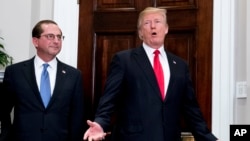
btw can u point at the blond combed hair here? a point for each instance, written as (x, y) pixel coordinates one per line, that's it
(149, 10)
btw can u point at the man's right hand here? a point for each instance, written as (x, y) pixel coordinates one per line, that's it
(94, 133)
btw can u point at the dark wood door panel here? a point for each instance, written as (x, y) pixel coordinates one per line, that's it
(108, 26)
(183, 45)
(121, 5)
(115, 21)
(107, 45)
(115, 4)
(177, 4)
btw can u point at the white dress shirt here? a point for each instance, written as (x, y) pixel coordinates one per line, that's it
(164, 62)
(52, 68)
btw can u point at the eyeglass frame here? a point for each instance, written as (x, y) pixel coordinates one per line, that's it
(53, 36)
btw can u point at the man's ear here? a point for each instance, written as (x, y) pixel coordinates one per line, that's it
(140, 34)
(166, 31)
(35, 41)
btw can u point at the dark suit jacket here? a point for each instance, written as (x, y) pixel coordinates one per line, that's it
(62, 120)
(132, 91)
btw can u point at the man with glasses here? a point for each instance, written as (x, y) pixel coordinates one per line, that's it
(46, 94)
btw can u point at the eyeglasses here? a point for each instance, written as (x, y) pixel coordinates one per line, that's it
(52, 37)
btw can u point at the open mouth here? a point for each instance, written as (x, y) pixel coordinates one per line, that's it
(154, 33)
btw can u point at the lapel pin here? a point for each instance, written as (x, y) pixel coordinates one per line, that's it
(63, 71)
(174, 62)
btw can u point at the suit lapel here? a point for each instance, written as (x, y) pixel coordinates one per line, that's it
(173, 68)
(142, 60)
(29, 74)
(60, 79)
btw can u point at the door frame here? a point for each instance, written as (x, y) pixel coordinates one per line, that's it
(223, 68)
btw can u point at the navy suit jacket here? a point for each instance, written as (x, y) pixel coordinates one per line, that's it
(132, 92)
(62, 120)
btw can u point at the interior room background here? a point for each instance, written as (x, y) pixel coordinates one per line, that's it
(231, 49)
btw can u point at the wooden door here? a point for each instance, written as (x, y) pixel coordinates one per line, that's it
(108, 26)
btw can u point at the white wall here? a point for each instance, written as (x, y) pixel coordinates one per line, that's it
(230, 65)
(18, 18)
(248, 58)
(66, 15)
(241, 104)
(15, 27)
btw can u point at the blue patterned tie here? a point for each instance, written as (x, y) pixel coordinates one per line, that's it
(45, 86)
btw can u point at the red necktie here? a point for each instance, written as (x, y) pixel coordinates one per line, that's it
(159, 72)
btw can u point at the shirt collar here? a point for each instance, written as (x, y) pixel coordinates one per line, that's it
(39, 62)
(150, 50)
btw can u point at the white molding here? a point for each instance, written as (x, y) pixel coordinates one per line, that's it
(66, 14)
(223, 68)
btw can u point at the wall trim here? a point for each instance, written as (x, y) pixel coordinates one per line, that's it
(223, 68)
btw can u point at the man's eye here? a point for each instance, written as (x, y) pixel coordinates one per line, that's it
(50, 36)
(59, 36)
